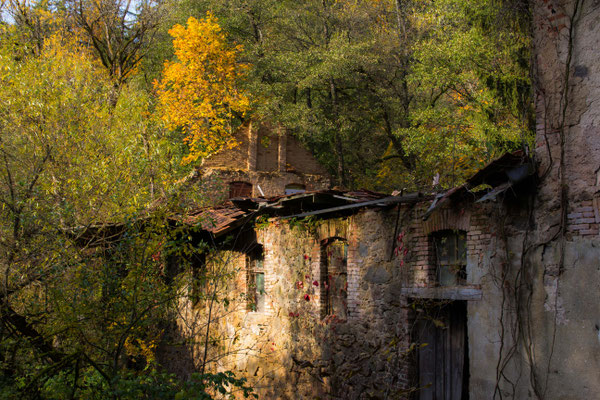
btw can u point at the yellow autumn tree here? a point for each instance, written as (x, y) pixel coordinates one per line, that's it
(199, 92)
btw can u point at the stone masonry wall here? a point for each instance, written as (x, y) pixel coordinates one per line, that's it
(271, 183)
(293, 349)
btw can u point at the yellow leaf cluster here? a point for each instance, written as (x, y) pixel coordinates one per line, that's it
(199, 92)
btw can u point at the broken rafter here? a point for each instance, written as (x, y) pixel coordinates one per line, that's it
(386, 201)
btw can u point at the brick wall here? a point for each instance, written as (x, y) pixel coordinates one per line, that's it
(268, 158)
(271, 183)
(263, 148)
(267, 150)
(474, 220)
(583, 219)
(236, 157)
(298, 159)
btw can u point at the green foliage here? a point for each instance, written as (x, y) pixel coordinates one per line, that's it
(307, 224)
(387, 94)
(261, 222)
(87, 290)
(151, 384)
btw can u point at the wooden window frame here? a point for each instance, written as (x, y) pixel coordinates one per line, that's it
(256, 294)
(452, 264)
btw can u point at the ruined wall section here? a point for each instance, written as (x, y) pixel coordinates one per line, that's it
(294, 349)
(497, 360)
(271, 183)
(487, 289)
(362, 356)
(265, 157)
(416, 245)
(301, 160)
(235, 158)
(568, 121)
(559, 318)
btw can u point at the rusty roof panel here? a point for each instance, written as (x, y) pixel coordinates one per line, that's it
(216, 220)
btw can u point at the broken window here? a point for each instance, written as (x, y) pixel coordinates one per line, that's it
(255, 283)
(294, 188)
(450, 253)
(240, 189)
(335, 277)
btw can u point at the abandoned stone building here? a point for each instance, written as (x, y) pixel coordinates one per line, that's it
(466, 294)
(265, 162)
(335, 294)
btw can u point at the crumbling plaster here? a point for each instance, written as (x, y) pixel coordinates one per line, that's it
(557, 311)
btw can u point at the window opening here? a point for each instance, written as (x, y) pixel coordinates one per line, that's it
(240, 189)
(450, 252)
(255, 284)
(294, 188)
(335, 278)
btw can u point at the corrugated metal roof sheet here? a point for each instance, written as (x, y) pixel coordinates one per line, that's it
(502, 172)
(221, 219)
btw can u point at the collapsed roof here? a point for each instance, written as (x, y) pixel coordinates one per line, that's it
(498, 176)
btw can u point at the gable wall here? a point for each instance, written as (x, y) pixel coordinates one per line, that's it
(272, 183)
(235, 157)
(266, 157)
(301, 160)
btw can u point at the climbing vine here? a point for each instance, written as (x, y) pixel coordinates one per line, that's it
(518, 293)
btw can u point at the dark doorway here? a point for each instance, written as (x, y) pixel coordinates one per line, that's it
(334, 276)
(240, 189)
(442, 358)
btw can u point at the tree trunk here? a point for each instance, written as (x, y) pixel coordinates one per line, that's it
(339, 148)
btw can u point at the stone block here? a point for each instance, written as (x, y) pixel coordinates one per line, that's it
(579, 227)
(583, 209)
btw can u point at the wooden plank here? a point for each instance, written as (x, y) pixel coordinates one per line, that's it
(441, 391)
(427, 360)
(457, 350)
(442, 361)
